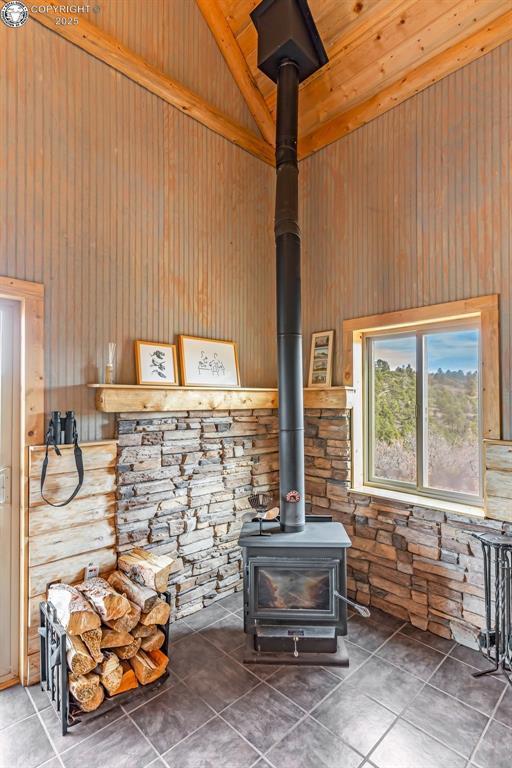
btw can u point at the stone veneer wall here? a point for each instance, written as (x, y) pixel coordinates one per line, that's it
(416, 563)
(183, 485)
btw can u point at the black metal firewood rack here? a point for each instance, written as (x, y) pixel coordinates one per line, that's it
(54, 671)
(495, 639)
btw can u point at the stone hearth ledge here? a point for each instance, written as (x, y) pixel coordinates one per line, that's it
(125, 398)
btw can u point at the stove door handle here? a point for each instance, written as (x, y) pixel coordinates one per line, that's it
(361, 609)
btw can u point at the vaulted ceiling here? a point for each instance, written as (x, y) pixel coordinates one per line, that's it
(380, 53)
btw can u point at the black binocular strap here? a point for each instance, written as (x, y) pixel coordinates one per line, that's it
(79, 468)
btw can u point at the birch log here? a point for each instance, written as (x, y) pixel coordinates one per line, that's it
(109, 603)
(153, 642)
(142, 596)
(127, 622)
(74, 612)
(92, 639)
(111, 638)
(112, 680)
(141, 631)
(79, 659)
(94, 703)
(146, 568)
(128, 651)
(159, 614)
(83, 687)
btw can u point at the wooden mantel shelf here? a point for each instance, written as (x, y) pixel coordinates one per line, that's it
(136, 398)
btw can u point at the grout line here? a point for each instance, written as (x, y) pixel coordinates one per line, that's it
(47, 733)
(487, 726)
(137, 727)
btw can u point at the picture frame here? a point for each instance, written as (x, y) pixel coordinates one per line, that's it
(208, 362)
(320, 359)
(156, 364)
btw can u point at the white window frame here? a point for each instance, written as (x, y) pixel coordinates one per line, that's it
(420, 487)
(484, 309)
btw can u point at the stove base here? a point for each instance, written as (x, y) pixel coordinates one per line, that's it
(305, 659)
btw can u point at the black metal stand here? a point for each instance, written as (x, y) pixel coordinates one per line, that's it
(54, 670)
(496, 639)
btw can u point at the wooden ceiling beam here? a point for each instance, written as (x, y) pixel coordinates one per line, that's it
(239, 68)
(473, 47)
(106, 48)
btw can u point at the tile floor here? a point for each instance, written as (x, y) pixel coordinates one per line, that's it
(408, 700)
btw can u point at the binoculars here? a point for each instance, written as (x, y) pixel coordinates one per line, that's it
(62, 428)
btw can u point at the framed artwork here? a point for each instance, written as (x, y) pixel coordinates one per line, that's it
(208, 362)
(320, 361)
(156, 363)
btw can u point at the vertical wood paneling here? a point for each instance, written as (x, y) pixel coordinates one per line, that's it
(140, 222)
(415, 208)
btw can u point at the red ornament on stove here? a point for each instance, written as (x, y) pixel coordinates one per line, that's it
(293, 497)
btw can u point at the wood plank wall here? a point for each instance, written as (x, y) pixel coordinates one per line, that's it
(140, 222)
(63, 540)
(416, 208)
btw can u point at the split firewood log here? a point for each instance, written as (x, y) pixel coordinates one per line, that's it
(112, 680)
(146, 568)
(153, 642)
(83, 687)
(143, 596)
(159, 614)
(128, 621)
(141, 631)
(74, 611)
(129, 680)
(149, 666)
(109, 663)
(109, 603)
(79, 659)
(92, 639)
(128, 651)
(91, 704)
(111, 638)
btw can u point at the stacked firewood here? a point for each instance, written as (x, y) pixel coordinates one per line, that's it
(114, 628)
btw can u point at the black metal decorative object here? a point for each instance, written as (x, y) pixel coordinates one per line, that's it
(289, 51)
(54, 670)
(496, 639)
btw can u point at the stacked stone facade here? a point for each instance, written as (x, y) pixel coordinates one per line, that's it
(183, 485)
(184, 480)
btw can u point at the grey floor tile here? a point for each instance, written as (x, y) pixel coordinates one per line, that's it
(469, 656)
(171, 716)
(386, 684)
(413, 657)
(227, 633)
(384, 619)
(234, 602)
(367, 633)
(450, 721)
(310, 745)
(356, 657)
(15, 705)
(306, 686)
(40, 699)
(119, 745)
(206, 616)
(504, 711)
(54, 762)
(455, 678)
(79, 731)
(435, 641)
(355, 718)
(196, 653)
(143, 694)
(495, 750)
(179, 630)
(213, 745)
(24, 744)
(407, 747)
(221, 682)
(263, 716)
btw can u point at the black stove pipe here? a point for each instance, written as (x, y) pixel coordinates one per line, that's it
(289, 332)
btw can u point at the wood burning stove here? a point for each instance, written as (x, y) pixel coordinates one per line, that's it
(295, 604)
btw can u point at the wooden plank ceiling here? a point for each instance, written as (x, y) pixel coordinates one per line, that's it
(381, 52)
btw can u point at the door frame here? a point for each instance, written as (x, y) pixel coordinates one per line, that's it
(31, 428)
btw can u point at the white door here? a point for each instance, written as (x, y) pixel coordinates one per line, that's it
(9, 487)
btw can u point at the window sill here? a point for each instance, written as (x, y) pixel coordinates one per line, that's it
(420, 501)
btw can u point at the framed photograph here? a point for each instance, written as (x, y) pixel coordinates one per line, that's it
(320, 361)
(156, 363)
(208, 362)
